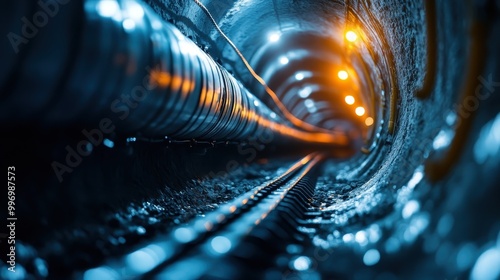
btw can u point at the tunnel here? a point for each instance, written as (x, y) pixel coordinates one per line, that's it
(250, 139)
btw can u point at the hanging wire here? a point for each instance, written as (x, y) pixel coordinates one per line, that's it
(275, 4)
(289, 116)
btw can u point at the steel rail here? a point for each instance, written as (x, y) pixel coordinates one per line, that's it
(276, 208)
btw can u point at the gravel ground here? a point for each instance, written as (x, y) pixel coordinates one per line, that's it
(61, 251)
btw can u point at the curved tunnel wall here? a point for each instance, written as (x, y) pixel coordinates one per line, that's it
(393, 49)
(423, 62)
(422, 192)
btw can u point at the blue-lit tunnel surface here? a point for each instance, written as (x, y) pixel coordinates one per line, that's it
(250, 139)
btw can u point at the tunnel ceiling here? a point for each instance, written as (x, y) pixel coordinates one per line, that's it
(414, 194)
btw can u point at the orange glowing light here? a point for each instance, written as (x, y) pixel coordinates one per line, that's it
(369, 121)
(360, 111)
(162, 79)
(349, 100)
(343, 75)
(351, 36)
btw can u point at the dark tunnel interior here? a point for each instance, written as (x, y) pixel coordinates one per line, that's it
(250, 139)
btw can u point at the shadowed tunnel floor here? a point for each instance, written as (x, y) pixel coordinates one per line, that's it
(414, 195)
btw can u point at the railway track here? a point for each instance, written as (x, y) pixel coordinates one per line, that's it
(243, 236)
